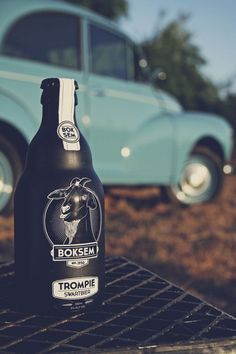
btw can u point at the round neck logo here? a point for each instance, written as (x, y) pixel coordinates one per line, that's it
(68, 132)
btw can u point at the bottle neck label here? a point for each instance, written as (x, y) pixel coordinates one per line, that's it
(67, 131)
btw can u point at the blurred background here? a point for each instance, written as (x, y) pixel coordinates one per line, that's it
(190, 47)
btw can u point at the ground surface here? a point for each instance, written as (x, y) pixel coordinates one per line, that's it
(193, 247)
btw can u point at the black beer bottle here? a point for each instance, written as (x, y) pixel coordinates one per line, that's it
(59, 212)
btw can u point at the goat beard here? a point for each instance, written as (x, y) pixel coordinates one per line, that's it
(71, 228)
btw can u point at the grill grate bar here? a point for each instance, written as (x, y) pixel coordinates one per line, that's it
(207, 328)
(122, 265)
(133, 288)
(167, 329)
(122, 277)
(17, 322)
(141, 321)
(34, 333)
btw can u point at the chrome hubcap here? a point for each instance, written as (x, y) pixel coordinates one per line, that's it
(6, 181)
(195, 179)
(195, 183)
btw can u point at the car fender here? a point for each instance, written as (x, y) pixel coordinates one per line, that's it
(14, 113)
(191, 128)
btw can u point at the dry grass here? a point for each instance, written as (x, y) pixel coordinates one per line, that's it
(6, 229)
(193, 247)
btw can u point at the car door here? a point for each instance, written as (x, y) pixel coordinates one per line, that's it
(120, 106)
(39, 45)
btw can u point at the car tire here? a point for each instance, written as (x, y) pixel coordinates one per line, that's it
(201, 178)
(11, 167)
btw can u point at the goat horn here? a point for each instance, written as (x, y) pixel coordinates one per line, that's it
(84, 180)
(75, 181)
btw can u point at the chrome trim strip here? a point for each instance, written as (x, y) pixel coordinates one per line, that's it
(27, 78)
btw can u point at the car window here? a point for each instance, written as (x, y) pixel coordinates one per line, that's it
(107, 53)
(52, 38)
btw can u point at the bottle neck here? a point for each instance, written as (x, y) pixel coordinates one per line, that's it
(59, 114)
(51, 119)
(58, 143)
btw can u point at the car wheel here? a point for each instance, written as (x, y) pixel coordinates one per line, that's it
(201, 178)
(11, 166)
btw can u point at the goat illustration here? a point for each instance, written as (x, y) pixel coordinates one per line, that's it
(78, 200)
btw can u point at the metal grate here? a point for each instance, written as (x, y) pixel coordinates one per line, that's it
(140, 311)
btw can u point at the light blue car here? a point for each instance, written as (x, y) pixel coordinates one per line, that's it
(138, 135)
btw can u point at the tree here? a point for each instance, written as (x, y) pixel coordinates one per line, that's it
(112, 9)
(227, 107)
(172, 49)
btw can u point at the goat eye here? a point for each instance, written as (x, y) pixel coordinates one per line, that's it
(84, 197)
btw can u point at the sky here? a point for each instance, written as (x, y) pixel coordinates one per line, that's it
(212, 23)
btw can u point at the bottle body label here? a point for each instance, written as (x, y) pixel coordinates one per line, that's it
(73, 223)
(75, 288)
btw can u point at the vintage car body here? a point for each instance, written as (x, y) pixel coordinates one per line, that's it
(138, 134)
